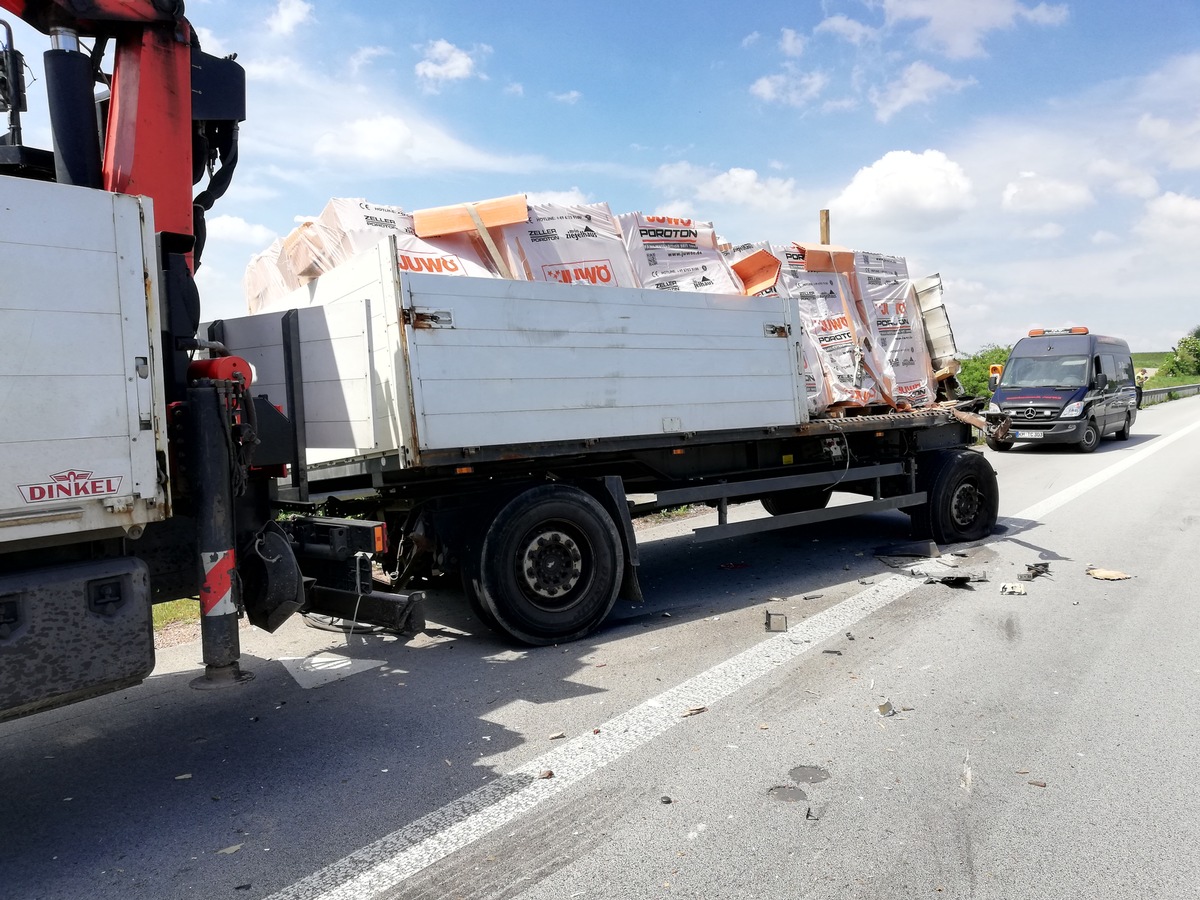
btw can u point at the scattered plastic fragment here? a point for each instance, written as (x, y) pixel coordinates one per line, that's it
(1107, 574)
(546, 773)
(694, 711)
(558, 735)
(183, 777)
(833, 652)
(886, 709)
(665, 799)
(1038, 783)
(229, 851)
(814, 813)
(849, 636)
(812, 596)
(775, 621)
(1012, 588)
(595, 731)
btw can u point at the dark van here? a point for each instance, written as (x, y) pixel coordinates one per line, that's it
(1064, 386)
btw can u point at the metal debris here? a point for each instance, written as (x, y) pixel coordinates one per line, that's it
(1033, 570)
(1012, 588)
(775, 621)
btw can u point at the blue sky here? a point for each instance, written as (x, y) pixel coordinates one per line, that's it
(1043, 158)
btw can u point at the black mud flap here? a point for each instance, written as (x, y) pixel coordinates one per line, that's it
(273, 587)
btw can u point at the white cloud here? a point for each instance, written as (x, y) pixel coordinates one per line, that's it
(568, 97)
(751, 39)
(791, 42)
(210, 43)
(790, 88)
(573, 197)
(847, 29)
(237, 230)
(445, 62)
(1033, 193)
(1178, 144)
(1047, 231)
(744, 187)
(919, 83)
(364, 55)
(390, 141)
(957, 28)
(1104, 238)
(288, 16)
(1171, 219)
(907, 188)
(1124, 178)
(515, 89)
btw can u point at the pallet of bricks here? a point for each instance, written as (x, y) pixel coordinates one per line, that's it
(864, 342)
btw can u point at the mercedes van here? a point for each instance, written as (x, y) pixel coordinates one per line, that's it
(1063, 386)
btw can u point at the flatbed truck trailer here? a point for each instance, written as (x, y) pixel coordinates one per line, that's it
(511, 431)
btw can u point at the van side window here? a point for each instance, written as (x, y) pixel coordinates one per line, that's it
(1124, 370)
(1108, 365)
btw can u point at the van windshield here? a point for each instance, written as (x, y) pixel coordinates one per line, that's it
(1061, 372)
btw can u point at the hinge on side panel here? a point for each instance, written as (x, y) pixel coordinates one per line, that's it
(427, 318)
(782, 331)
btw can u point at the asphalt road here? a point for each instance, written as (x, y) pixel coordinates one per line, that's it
(1041, 745)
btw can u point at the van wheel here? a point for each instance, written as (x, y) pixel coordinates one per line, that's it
(1123, 434)
(962, 497)
(551, 565)
(1091, 437)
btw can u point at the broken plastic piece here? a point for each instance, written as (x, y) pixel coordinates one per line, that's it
(775, 621)
(1012, 588)
(886, 709)
(694, 711)
(926, 549)
(546, 773)
(1107, 574)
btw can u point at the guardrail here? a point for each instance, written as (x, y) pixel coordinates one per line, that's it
(1161, 395)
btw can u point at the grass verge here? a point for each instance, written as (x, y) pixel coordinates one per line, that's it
(175, 611)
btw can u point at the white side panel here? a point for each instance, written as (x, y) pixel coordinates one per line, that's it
(531, 363)
(80, 391)
(351, 390)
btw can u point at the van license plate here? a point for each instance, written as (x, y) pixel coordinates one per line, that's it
(1031, 434)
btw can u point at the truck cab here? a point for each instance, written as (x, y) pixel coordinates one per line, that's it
(1064, 386)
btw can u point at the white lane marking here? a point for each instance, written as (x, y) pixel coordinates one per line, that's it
(389, 861)
(1065, 496)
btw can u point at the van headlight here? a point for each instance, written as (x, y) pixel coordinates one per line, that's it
(1072, 410)
(993, 409)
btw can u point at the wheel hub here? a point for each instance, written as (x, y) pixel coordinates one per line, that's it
(551, 564)
(965, 505)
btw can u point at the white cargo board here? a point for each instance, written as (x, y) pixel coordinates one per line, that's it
(81, 409)
(410, 364)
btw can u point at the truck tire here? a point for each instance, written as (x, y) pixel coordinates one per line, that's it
(1091, 437)
(963, 498)
(550, 567)
(781, 503)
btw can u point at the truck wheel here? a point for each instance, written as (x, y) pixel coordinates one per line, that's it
(471, 589)
(781, 503)
(999, 446)
(551, 565)
(1123, 434)
(1091, 437)
(963, 498)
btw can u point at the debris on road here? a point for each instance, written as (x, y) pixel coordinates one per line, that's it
(558, 735)
(546, 773)
(1038, 783)
(694, 711)
(229, 851)
(1107, 574)
(955, 577)
(1033, 570)
(833, 652)
(776, 621)
(886, 709)
(917, 548)
(812, 596)
(814, 813)
(734, 565)
(183, 777)
(1012, 588)
(665, 799)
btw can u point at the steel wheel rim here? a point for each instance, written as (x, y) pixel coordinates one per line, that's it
(550, 567)
(965, 504)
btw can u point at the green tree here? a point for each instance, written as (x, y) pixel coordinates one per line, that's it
(1185, 356)
(974, 374)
